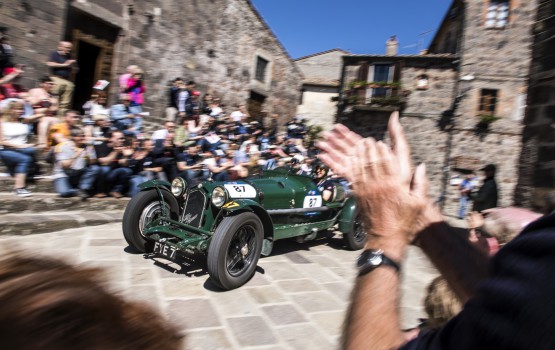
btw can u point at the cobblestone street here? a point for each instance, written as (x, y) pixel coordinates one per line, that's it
(296, 300)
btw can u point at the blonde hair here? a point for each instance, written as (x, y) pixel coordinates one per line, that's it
(7, 112)
(441, 303)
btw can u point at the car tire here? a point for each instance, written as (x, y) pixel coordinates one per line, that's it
(143, 208)
(356, 238)
(234, 250)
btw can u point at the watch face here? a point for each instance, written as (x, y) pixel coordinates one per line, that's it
(369, 257)
(375, 260)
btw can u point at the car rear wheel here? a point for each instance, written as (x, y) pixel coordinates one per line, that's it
(355, 239)
(142, 209)
(235, 250)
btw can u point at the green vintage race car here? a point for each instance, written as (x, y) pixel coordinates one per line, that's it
(235, 222)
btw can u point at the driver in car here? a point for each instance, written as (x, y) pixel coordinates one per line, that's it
(321, 179)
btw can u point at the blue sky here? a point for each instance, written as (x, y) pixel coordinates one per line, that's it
(305, 27)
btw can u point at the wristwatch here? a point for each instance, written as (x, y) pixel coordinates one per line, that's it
(371, 259)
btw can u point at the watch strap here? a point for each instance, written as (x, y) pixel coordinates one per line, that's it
(385, 260)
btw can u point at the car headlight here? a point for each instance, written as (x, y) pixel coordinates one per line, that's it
(178, 186)
(219, 197)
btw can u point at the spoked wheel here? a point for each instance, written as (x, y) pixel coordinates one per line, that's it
(235, 250)
(142, 209)
(355, 239)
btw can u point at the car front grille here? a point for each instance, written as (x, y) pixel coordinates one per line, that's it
(192, 215)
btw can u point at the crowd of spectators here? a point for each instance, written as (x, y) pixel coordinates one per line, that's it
(105, 151)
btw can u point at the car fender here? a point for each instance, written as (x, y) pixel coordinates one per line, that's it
(154, 184)
(237, 206)
(347, 215)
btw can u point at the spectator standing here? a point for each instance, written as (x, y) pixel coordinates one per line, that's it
(171, 109)
(465, 188)
(16, 153)
(486, 197)
(61, 66)
(136, 89)
(75, 170)
(6, 52)
(124, 78)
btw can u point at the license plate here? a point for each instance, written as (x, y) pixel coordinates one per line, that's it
(164, 250)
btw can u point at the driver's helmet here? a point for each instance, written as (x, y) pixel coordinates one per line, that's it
(320, 170)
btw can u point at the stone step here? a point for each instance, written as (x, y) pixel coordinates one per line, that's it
(42, 183)
(46, 202)
(27, 223)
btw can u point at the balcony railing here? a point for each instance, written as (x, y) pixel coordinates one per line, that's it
(378, 94)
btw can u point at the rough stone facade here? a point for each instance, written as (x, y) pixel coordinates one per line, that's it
(422, 107)
(537, 161)
(216, 43)
(458, 139)
(320, 86)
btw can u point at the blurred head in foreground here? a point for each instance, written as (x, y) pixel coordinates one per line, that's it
(48, 304)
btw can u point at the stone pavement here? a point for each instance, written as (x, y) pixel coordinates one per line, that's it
(296, 300)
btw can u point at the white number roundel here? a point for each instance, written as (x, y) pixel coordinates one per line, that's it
(240, 190)
(312, 201)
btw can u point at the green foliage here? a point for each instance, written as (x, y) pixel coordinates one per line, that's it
(388, 101)
(313, 134)
(488, 119)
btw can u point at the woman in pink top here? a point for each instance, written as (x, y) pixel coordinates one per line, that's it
(136, 88)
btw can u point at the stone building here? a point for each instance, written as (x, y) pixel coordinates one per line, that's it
(462, 101)
(537, 161)
(224, 45)
(320, 86)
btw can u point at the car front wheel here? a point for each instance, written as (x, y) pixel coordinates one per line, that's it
(355, 239)
(142, 209)
(235, 250)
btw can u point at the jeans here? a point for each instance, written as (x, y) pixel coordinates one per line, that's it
(134, 183)
(463, 204)
(19, 160)
(83, 180)
(125, 123)
(119, 178)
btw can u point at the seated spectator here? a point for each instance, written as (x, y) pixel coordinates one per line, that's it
(189, 165)
(126, 117)
(165, 153)
(215, 109)
(15, 151)
(88, 105)
(44, 102)
(75, 170)
(61, 131)
(100, 106)
(210, 142)
(218, 165)
(114, 175)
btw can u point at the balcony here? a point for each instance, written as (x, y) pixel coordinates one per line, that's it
(374, 95)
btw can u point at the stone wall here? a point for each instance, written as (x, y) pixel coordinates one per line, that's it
(215, 43)
(321, 72)
(434, 100)
(537, 160)
(317, 106)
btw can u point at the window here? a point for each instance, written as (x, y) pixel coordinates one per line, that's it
(422, 82)
(261, 65)
(382, 73)
(488, 101)
(498, 14)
